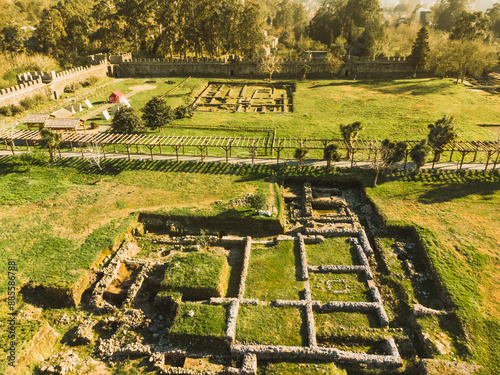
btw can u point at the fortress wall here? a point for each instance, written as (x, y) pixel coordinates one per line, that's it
(48, 83)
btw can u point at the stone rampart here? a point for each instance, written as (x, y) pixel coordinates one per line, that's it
(51, 84)
(237, 68)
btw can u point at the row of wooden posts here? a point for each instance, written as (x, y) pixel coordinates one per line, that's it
(270, 146)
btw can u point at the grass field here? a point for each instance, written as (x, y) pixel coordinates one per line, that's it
(206, 321)
(458, 220)
(355, 284)
(269, 325)
(334, 251)
(399, 109)
(271, 273)
(47, 214)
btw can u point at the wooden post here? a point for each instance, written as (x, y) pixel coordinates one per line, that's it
(151, 151)
(114, 147)
(159, 145)
(11, 142)
(27, 146)
(462, 161)
(496, 161)
(103, 146)
(128, 151)
(406, 159)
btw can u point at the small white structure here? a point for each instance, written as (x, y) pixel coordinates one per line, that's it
(105, 115)
(70, 109)
(126, 103)
(88, 104)
(77, 107)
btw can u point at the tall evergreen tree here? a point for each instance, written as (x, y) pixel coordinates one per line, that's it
(420, 50)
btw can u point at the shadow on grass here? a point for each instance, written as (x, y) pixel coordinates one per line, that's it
(448, 192)
(391, 87)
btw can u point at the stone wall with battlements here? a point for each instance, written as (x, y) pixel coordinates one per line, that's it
(235, 67)
(51, 84)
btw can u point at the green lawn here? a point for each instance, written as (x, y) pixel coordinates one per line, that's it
(458, 219)
(341, 323)
(358, 289)
(198, 276)
(47, 214)
(399, 109)
(269, 325)
(334, 251)
(207, 320)
(271, 273)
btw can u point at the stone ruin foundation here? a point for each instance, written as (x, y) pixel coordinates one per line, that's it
(314, 215)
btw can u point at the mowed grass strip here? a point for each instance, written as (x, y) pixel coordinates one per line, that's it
(356, 284)
(271, 273)
(333, 251)
(269, 325)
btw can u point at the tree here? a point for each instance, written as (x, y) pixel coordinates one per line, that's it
(305, 70)
(493, 14)
(126, 121)
(250, 35)
(470, 26)
(12, 41)
(331, 153)
(420, 50)
(445, 13)
(51, 141)
(138, 20)
(459, 57)
(156, 113)
(419, 154)
(333, 63)
(50, 33)
(300, 155)
(440, 134)
(270, 64)
(391, 153)
(350, 133)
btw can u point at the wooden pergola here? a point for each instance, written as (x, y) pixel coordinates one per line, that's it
(65, 124)
(36, 120)
(255, 146)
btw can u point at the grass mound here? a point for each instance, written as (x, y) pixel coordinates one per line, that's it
(198, 276)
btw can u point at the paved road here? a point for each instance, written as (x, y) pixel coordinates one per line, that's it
(263, 161)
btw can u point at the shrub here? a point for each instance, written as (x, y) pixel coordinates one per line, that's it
(90, 81)
(184, 111)
(72, 87)
(257, 201)
(31, 102)
(15, 109)
(6, 111)
(94, 125)
(29, 159)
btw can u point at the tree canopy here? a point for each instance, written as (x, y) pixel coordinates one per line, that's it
(156, 113)
(127, 121)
